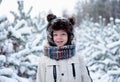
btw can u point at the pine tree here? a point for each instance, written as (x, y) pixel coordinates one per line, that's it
(25, 36)
(100, 45)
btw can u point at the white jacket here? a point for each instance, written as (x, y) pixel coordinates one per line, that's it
(64, 70)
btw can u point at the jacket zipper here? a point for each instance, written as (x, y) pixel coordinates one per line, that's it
(54, 73)
(73, 69)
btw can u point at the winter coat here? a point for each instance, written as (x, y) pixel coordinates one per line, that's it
(72, 69)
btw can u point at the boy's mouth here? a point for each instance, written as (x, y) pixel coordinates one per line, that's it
(59, 42)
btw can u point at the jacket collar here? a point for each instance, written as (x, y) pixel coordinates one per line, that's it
(59, 53)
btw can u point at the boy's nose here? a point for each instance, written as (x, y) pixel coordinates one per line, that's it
(59, 36)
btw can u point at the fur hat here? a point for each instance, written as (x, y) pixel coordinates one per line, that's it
(59, 23)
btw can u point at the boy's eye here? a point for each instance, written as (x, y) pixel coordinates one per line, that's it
(54, 34)
(63, 34)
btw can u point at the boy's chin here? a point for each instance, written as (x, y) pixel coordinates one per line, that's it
(60, 45)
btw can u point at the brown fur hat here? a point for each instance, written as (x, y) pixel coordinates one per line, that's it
(59, 23)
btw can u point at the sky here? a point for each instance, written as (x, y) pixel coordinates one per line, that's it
(56, 6)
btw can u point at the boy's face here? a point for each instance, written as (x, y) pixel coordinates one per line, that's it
(60, 37)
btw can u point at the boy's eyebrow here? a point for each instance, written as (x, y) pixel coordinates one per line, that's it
(54, 32)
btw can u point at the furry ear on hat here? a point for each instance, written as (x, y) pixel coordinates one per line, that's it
(72, 20)
(50, 17)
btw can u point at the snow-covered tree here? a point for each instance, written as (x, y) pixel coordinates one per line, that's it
(100, 45)
(21, 44)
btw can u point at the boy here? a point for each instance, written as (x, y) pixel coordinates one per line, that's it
(61, 62)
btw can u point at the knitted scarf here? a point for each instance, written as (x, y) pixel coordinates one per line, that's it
(59, 53)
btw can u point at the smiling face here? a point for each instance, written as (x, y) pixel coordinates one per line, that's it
(60, 37)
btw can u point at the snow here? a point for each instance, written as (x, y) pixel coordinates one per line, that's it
(6, 71)
(14, 32)
(3, 18)
(114, 44)
(2, 60)
(6, 79)
(117, 20)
